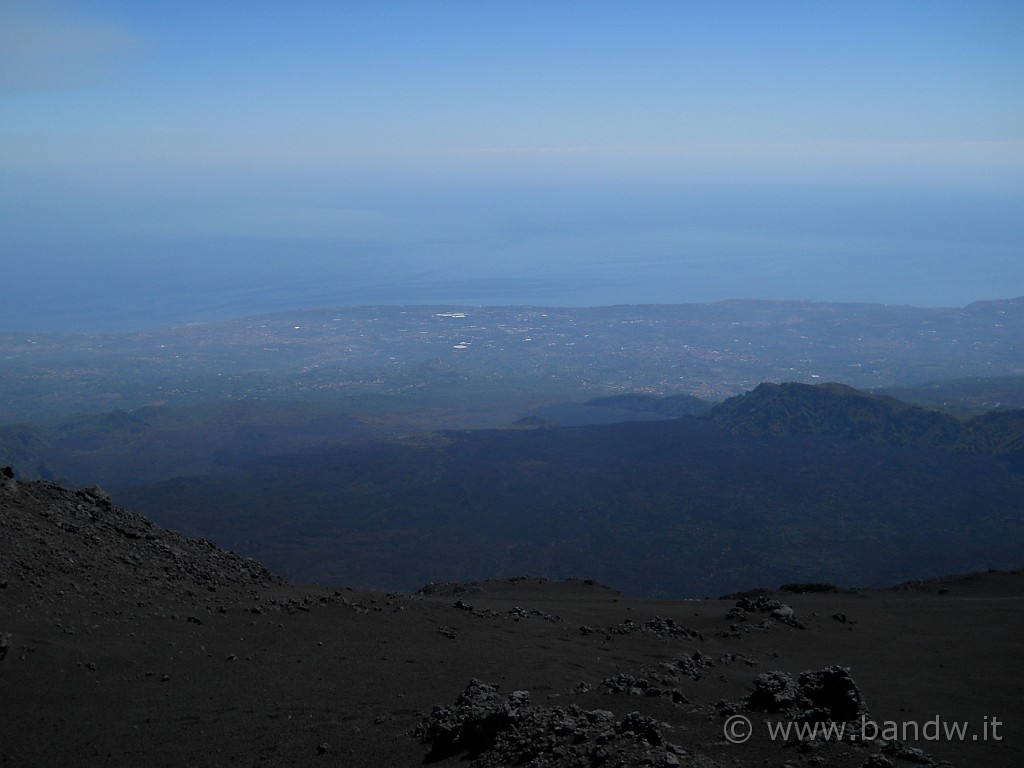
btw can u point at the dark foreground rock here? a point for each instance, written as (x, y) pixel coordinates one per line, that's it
(493, 730)
(124, 644)
(824, 695)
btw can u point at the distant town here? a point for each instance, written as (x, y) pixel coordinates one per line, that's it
(709, 350)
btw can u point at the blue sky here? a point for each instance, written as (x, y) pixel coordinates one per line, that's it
(496, 141)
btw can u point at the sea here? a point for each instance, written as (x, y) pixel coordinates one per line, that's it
(931, 249)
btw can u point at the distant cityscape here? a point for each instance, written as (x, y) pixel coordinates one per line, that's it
(709, 350)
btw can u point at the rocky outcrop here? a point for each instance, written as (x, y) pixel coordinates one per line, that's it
(664, 628)
(493, 730)
(750, 606)
(817, 696)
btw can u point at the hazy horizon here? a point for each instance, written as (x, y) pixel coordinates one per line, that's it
(165, 165)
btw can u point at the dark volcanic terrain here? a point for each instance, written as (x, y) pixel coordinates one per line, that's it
(123, 644)
(786, 483)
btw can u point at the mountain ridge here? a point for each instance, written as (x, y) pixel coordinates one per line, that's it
(838, 410)
(671, 507)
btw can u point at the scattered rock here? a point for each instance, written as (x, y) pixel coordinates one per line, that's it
(692, 666)
(760, 604)
(634, 686)
(819, 696)
(666, 628)
(492, 730)
(783, 613)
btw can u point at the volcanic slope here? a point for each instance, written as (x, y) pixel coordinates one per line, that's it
(123, 644)
(785, 483)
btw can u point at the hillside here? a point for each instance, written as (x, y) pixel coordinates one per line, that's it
(123, 644)
(832, 484)
(836, 410)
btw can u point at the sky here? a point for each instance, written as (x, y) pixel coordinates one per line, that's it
(162, 162)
